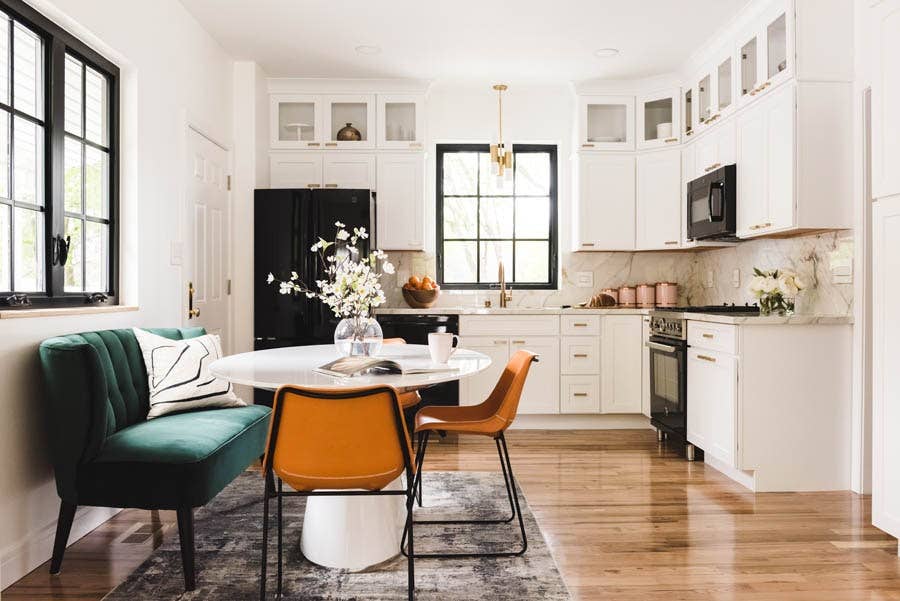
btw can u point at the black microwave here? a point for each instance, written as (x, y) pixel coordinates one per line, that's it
(711, 205)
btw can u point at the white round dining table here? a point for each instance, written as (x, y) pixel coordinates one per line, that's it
(352, 532)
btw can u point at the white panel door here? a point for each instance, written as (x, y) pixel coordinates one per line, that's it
(885, 359)
(621, 353)
(400, 201)
(207, 241)
(541, 392)
(606, 202)
(886, 99)
(645, 367)
(712, 378)
(752, 209)
(475, 389)
(349, 171)
(780, 111)
(659, 200)
(295, 170)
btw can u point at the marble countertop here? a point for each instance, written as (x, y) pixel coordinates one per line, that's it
(752, 320)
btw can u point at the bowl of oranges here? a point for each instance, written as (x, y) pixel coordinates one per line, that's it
(421, 293)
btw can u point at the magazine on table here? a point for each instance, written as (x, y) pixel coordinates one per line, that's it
(346, 367)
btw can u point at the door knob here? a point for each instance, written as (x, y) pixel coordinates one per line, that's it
(192, 312)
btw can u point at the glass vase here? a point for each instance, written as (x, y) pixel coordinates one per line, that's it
(358, 336)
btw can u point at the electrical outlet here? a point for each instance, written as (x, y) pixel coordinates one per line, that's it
(736, 278)
(584, 279)
(841, 263)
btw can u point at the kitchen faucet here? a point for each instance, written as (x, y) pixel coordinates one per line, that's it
(505, 295)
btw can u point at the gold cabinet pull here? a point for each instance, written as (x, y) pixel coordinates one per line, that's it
(518, 342)
(313, 144)
(713, 166)
(313, 185)
(415, 145)
(499, 342)
(670, 140)
(689, 132)
(580, 355)
(331, 144)
(708, 336)
(671, 242)
(579, 325)
(706, 358)
(192, 312)
(760, 226)
(588, 244)
(587, 145)
(579, 394)
(331, 185)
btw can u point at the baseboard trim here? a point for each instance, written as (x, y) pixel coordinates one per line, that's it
(745, 479)
(29, 552)
(581, 422)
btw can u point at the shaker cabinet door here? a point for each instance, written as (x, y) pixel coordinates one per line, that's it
(400, 200)
(606, 202)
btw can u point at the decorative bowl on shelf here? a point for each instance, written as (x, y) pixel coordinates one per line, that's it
(420, 299)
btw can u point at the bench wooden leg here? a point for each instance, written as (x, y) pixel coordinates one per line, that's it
(63, 528)
(186, 536)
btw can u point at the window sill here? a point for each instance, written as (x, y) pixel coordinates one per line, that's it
(64, 311)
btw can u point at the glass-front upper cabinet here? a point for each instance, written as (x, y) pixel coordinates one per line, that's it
(349, 121)
(688, 114)
(766, 53)
(295, 121)
(724, 87)
(606, 123)
(401, 122)
(705, 108)
(658, 118)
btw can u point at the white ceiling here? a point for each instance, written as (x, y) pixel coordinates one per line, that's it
(463, 39)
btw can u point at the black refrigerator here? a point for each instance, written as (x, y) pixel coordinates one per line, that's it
(286, 224)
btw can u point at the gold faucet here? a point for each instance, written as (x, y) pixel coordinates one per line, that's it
(505, 295)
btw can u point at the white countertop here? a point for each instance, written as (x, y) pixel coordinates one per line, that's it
(752, 320)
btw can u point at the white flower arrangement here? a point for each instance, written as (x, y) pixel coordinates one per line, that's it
(351, 287)
(776, 290)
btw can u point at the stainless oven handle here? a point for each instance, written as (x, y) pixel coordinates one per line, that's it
(660, 347)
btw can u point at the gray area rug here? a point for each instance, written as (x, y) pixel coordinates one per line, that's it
(228, 535)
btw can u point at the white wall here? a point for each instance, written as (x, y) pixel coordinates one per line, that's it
(171, 69)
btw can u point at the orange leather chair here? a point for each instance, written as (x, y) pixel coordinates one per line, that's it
(326, 443)
(490, 418)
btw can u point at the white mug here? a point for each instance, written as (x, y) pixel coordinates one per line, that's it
(441, 346)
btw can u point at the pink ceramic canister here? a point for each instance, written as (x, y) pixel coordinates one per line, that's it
(627, 296)
(646, 295)
(666, 294)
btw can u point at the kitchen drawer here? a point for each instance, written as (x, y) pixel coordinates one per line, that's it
(509, 325)
(579, 394)
(713, 336)
(579, 325)
(579, 355)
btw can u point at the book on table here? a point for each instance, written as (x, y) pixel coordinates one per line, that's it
(346, 367)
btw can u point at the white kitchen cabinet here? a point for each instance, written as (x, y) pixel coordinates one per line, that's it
(645, 366)
(712, 403)
(658, 111)
(621, 355)
(580, 355)
(541, 392)
(348, 171)
(659, 200)
(715, 149)
(475, 389)
(886, 99)
(354, 110)
(606, 202)
(401, 121)
(295, 170)
(295, 121)
(885, 358)
(400, 201)
(606, 123)
(766, 51)
(579, 394)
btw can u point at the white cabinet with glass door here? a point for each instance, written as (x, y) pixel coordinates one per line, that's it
(659, 200)
(400, 201)
(295, 121)
(349, 116)
(606, 122)
(606, 202)
(766, 51)
(659, 119)
(401, 122)
(348, 171)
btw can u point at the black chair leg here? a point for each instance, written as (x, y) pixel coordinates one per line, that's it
(410, 558)
(186, 537)
(423, 442)
(63, 528)
(265, 541)
(278, 596)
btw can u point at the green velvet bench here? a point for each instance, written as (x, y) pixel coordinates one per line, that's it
(106, 453)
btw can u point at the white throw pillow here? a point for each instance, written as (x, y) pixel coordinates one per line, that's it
(178, 374)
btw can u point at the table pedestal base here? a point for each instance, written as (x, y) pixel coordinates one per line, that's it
(353, 533)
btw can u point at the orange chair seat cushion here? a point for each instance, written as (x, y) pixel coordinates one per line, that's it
(409, 399)
(468, 420)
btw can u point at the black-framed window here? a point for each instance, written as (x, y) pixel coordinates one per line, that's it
(482, 218)
(58, 165)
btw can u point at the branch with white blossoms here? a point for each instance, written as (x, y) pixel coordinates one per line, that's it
(352, 286)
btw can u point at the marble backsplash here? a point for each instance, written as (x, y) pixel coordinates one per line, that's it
(704, 277)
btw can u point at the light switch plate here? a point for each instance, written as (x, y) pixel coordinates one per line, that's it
(584, 279)
(736, 278)
(840, 262)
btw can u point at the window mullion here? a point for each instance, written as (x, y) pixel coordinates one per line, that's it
(55, 169)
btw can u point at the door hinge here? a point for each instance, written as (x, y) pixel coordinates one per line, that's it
(228, 180)
(228, 287)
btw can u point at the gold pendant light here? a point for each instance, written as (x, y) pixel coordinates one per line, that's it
(501, 156)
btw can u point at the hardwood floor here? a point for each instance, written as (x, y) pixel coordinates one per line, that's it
(625, 519)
